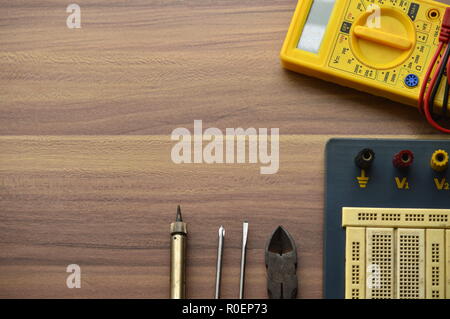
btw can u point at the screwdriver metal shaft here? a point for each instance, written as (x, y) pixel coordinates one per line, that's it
(243, 258)
(219, 261)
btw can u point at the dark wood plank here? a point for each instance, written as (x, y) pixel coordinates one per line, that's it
(106, 203)
(148, 66)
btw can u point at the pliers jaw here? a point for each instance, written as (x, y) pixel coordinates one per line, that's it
(281, 264)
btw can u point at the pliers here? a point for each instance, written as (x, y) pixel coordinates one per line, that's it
(281, 265)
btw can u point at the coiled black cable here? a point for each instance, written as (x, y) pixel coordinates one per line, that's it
(434, 91)
(445, 100)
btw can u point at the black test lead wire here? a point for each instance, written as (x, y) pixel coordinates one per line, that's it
(440, 74)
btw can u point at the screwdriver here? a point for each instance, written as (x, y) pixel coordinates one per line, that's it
(243, 259)
(219, 261)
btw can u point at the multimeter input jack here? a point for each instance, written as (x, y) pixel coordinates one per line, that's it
(365, 158)
(403, 159)
(433, 14)
(439, 160)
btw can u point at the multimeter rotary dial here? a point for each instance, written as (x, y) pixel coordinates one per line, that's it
(382, 38)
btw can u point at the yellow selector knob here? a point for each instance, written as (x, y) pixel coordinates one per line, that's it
(439, 160)
(382, 38)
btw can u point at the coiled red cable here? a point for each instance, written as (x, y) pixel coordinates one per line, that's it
(425, 99)
(427, 75)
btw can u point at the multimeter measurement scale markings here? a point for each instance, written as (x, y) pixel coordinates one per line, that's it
(343, 59)
(417, 59)
(398, 4)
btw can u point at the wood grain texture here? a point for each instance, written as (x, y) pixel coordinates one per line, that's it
(148, 66)
(106, 203)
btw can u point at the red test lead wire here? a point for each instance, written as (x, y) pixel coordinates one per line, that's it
(427, 76)
(424, 105)
(444, 35)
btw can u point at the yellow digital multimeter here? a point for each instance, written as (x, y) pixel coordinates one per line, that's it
(382, 47)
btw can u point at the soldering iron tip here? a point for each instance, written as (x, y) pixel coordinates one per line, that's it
(179, 218)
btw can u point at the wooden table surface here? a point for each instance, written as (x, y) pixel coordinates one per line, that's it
(85, 121)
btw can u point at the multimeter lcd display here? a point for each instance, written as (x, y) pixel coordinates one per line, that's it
(315, 25)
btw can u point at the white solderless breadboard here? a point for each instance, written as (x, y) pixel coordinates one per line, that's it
(397, 253)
